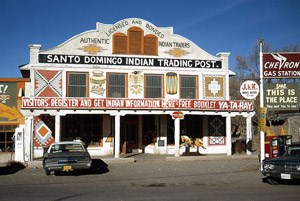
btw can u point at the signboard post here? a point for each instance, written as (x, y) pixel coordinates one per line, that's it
(261, 100)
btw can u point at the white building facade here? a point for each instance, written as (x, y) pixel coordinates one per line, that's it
(126, 87)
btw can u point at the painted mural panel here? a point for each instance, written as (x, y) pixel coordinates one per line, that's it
(136, 84)
(98, 83)
(216, 129)
(214, 87)
(48, 83)
(44, 126)
(9, 102)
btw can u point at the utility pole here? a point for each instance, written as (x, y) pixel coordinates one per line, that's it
(261, 100)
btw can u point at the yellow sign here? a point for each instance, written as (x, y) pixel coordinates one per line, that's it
(10, 113)
(262, 119)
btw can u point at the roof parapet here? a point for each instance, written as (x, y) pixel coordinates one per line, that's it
(225, 59)
(34, 50)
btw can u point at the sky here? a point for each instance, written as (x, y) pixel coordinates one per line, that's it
(214, 25)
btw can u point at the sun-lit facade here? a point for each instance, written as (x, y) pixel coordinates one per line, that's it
(129, 87)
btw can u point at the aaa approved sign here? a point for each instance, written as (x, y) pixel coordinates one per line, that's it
(249, 89)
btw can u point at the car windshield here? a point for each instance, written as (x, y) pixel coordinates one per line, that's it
(66, 148)
(293, 151)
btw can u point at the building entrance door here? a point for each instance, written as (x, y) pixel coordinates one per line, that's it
(129, 136)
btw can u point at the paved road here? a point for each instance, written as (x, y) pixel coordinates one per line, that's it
(149, 179)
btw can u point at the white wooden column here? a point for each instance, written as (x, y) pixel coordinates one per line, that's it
(117, 136)
(228, 135)
(28, 138)
(177, 136)
(57, 128)
(249, 132)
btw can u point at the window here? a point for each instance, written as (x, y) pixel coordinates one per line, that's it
(66, 148)
(119, 43)
(153, 86)
(77, 85)
(135, 42)
(150, 44)
(116, 85)
(7, 137)
(86, 127)
(188, 87)
(135, 37)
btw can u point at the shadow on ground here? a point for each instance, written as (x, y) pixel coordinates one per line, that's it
(11, 168)
(98, 167)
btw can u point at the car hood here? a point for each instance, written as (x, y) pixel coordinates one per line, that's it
(284, 159)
